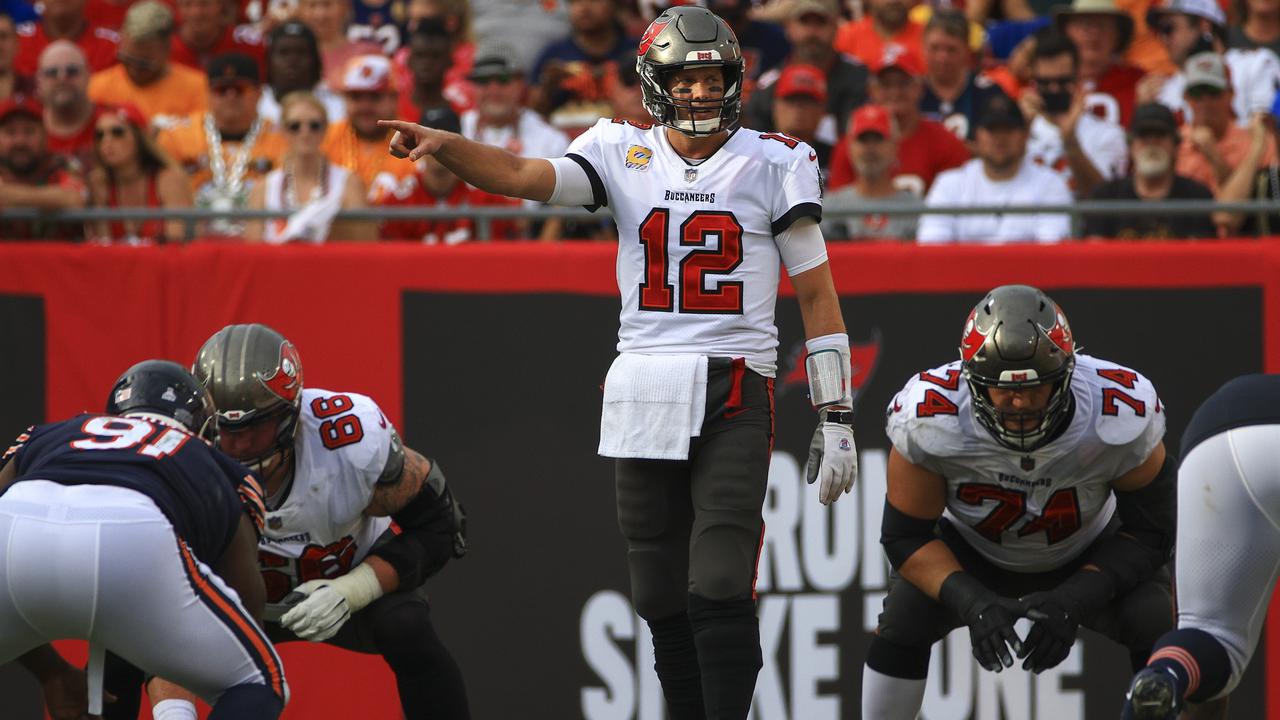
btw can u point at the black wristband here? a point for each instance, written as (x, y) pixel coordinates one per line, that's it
(842, 417)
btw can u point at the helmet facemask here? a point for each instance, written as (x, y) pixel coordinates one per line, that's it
(1023, 430)
(275, 455)
(680, 113)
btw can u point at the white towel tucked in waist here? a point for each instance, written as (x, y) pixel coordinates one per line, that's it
(653, 405)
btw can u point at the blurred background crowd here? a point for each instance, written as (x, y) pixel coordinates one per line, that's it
(273, 104)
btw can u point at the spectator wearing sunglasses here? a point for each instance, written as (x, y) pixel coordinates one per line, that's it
(64, 20)
(163, 91)
(1212, 143)
(33, 177)
(130, 171)
(61, 79)
(1190, 27)
(307, 184)
(11, 83)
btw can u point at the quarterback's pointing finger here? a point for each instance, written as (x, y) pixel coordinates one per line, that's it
(423, 141)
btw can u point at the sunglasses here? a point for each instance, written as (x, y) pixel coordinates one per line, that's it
(295, 126)
(1048, 82)
(139, 62)
(1201, 92)
(489, 79)
(70, 72)
(116, 131)
(1164, 28)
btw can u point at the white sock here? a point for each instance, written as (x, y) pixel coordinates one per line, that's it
(173, 710)
(890, 698)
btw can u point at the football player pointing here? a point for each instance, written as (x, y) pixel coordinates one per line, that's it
(1025, 479)
(707, 212)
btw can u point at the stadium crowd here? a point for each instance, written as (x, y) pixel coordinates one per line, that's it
(273, 104)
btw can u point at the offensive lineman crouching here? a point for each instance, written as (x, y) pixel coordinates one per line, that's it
(335, 475)
(1025, 480)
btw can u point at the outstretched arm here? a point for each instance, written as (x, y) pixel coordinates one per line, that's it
(487, 167)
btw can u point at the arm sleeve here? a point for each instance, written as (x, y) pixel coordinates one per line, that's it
(573, 184)
(801, 246)
(801, 191)
(587, 152)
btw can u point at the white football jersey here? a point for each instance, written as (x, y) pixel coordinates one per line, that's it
(1032, 511)
(320, 530)
(697, 257)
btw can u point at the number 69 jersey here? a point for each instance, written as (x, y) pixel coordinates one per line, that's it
(697, 257)
(1029, 511)
(319, 530)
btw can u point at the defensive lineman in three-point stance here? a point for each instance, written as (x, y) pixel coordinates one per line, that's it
(706, 213)
(1025, 480)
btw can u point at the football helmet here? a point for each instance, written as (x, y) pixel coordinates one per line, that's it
(689, 36)
(1018, 337)
(161, 387)
(255, 376)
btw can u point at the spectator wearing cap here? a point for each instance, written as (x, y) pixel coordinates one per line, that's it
(329, 20)
(873, 148)
(1213, 144)
(145, 76)
(1102, 32)
(293, 65)
(357, 143)
(207, 28)
(307, 184)
(925, 147)
(1084, 149)
(886, 24)
(1190, 27)
(571, 79)
(11, 83)
(800, 96)
(1254, 180)
(64, 20)
(61, 81)
(500, 118)
(33, 177)
(1000, 175)
(764, 45)
(953, 90)
(810, 27)
(131, 171)
(1257, 25)
(430, 56)
(1153, 138)
(226, 150)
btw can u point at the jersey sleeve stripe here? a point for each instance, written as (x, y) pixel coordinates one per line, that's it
(597, 185)
(806, 209)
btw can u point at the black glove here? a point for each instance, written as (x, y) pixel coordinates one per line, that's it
(990, 619)
(1057, 615)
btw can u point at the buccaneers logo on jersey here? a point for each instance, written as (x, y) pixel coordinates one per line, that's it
(286, 380)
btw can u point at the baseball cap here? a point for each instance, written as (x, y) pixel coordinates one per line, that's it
(897, 57)
(800, 8)
(801, 79)
(367, 73)
(870, 118)
(125, 112)
(1206, 69)
(1153, 117)
(1207, 9)
(494, 62)
(1000, 112)
(232, 68)
(21, 105)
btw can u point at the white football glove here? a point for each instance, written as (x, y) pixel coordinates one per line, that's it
(329, 603)
(833, 457)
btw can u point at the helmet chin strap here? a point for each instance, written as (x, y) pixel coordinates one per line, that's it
(691, 126)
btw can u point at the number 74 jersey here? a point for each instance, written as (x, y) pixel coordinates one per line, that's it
(698, 258)
(1029, 511)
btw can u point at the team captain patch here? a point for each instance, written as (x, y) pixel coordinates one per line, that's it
(638, 157)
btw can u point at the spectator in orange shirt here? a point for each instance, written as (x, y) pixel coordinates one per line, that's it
(11, 83)
(61, 79)
(33, 177)
(1102, 33)
(925, 147)
(64, 20)
(207, 28)
(131, 171)
(229, 148)
(357, 143)
(886, 23)
(1214, 144)
(145, 77)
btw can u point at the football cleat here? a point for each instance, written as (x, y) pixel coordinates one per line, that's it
(1153, 695)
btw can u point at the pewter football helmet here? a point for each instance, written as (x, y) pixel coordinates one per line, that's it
(689, 36)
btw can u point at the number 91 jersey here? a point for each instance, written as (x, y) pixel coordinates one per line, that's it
(1029, 511)
(697, 257)
(319, 530)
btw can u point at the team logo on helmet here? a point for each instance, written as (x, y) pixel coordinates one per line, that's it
(1060, 333)
(651, 34)
(973, 337)
(286, 380)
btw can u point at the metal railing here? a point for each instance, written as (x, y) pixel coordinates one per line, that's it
(483, 217)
